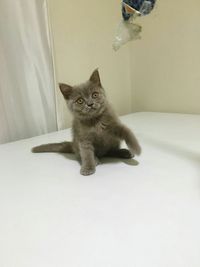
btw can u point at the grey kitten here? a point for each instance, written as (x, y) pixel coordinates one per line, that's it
(97, 131)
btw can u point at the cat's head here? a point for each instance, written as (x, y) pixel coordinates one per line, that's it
(86, 100)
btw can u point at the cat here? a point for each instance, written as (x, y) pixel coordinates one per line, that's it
(97, 131)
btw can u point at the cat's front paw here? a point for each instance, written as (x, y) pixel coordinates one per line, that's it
(87, 171)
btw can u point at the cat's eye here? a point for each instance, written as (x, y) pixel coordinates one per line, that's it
(80, 101)
(95, 95)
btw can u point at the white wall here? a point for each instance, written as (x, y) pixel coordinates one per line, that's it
(166, 62)
(161, 72)
(83, 32)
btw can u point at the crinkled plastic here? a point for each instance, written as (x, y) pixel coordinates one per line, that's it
(127, 30)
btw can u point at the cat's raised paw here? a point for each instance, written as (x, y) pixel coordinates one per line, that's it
(135, 151)
(87, 171)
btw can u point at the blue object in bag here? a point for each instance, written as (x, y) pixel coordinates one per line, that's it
(127, 29)
(144, 7)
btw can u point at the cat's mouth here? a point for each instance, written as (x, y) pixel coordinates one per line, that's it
(90, 109)
(91, 112)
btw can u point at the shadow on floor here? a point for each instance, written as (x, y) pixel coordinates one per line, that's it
(105, 160)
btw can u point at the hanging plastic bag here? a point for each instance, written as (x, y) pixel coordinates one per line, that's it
(126, 32)
(127, 29)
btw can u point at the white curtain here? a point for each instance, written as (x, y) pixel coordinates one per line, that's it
(27, 97)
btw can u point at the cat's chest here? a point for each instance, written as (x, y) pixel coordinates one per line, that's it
(98, 130)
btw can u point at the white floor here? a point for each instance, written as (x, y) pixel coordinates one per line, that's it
(126, 215)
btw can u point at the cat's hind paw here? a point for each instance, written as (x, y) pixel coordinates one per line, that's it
(125, 154)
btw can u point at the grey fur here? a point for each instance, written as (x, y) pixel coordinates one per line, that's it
(97, 131)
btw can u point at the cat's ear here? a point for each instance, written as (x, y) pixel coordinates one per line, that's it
(66, 90)
(95, 78)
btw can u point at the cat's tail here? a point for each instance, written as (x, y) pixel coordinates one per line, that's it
(64, 147)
